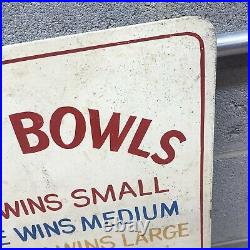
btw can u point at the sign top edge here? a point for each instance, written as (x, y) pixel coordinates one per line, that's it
(192, 24)
(161, 22)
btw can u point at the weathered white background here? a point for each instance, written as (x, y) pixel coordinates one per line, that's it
(30, 21)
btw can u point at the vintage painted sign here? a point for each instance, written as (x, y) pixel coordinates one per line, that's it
(108, 138)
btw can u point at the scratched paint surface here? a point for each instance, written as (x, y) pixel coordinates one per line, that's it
(108, 126)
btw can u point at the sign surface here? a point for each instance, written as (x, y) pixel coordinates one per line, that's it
(108, 138)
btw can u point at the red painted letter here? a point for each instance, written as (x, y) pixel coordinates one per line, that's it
(139, 135)
(112, 130)
(21, 132)
(55, 124)
(165, 144)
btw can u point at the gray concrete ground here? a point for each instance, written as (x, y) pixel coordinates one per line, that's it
(30, 21)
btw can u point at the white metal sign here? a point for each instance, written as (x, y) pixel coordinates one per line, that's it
(108, 138)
